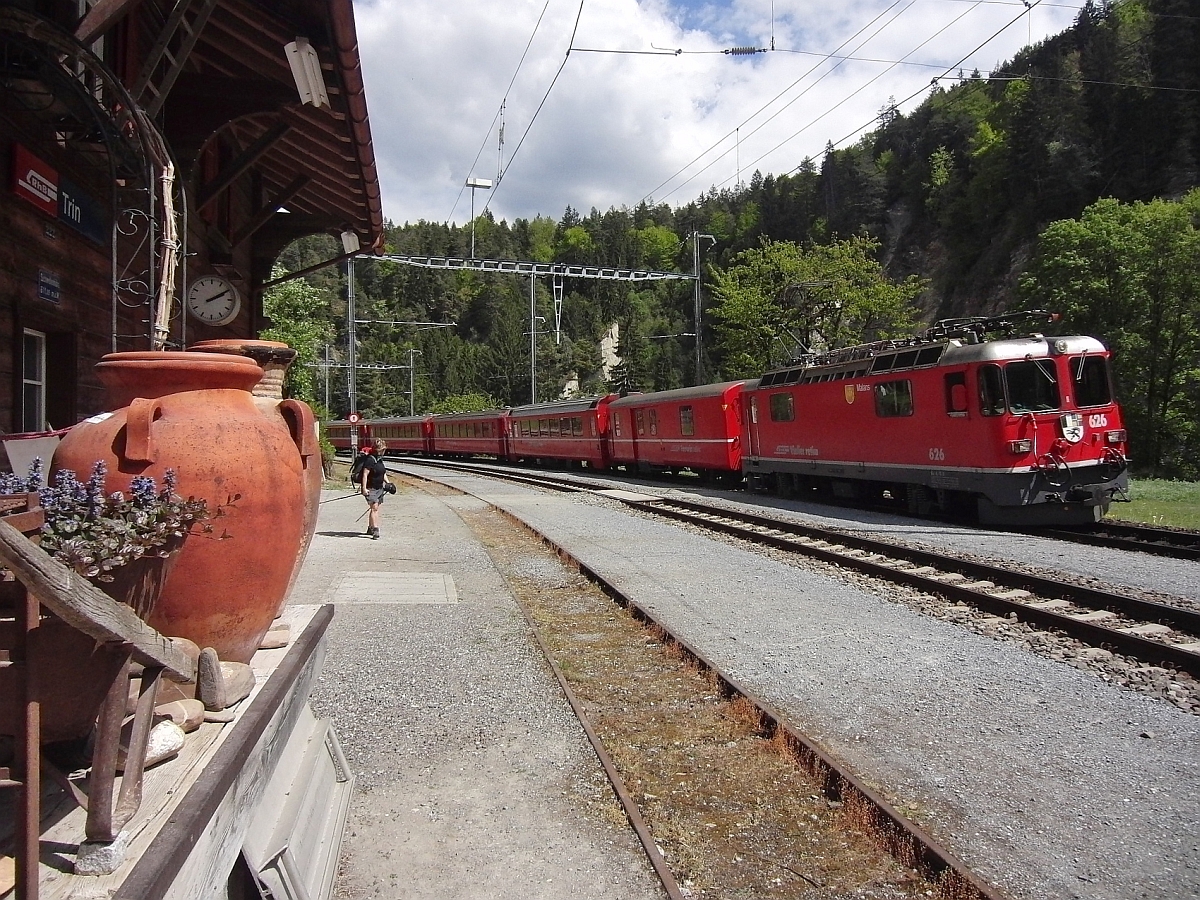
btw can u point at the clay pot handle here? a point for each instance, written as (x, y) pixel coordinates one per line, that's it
(139, 442)
(302, 425)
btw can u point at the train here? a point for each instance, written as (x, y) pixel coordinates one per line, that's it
(966, 418)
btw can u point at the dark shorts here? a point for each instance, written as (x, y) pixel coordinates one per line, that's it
(375, 495)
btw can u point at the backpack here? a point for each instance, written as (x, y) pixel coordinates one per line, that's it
(356, 468)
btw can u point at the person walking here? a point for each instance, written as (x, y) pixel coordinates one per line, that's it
(375, 483)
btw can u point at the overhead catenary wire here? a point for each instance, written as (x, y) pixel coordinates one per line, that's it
(545, 97)
(500, 112)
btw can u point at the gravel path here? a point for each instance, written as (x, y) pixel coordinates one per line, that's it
(1050, 783)
(474, 779)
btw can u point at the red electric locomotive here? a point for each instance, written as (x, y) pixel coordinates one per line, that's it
(470, 434)
(1024, 430)
(696, 428)
(563, 431)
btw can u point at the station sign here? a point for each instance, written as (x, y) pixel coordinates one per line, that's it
(56, 195)
(354, 418)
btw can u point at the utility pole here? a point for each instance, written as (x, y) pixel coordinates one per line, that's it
(533, 339)
(474, 184)
(351, 350)
(696, 236)
(411, 366)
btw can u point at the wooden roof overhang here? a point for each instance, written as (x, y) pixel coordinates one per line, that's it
(217, 69)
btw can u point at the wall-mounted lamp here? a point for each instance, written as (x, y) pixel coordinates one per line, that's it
(350, 242)
(306, 70)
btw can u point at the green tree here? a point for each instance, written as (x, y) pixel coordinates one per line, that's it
(1130, 274)
(299, 315)
(779, 298)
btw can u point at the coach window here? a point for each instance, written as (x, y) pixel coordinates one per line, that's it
(617, 424)
(783, 408)
(653, 421)
(893, 399)
(554, 426)
(956, 394)
(687, 426)
(991, 391)
(1032, 386)
(1090, 374)
(564, 426)
(577, 425)
(641, 422)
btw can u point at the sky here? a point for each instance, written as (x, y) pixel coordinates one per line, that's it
(670, 116)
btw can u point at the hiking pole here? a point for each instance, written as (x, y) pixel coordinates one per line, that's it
(343, 497)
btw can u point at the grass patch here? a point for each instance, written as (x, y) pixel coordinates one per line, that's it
(1174, 504)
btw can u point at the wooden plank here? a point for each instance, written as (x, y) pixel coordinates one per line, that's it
(192, 855)
(84, 606)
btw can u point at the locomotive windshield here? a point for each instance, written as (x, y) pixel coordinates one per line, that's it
(1032, 386)
(1090, 374)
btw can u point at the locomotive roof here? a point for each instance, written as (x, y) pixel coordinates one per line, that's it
(555, 407)
(402, 420)
(480, 414)
(698, 392)
(894, 356)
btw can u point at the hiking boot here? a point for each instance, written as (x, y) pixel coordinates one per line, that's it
(374, 532)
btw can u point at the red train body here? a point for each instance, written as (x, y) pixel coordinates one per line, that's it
(696, 428)
(1020, 431)
(564, 431)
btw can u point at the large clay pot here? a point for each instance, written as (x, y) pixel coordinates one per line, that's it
(193, 413)
(273, 358)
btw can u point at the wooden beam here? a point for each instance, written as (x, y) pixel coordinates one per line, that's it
(85, 607)
(264, 215)
(244, 160)
(102, 17)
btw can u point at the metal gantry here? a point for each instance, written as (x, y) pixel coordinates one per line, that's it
(557, 272)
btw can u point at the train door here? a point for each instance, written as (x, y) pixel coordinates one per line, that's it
(639, 434)
(750, 424)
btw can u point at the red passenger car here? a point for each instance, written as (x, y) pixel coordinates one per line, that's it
(405, 435)
(470, 434)
(567, 430)
(697, 428)
(1023, 430)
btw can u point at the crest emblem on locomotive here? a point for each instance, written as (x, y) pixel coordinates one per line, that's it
(1072, 427)
(849, 393)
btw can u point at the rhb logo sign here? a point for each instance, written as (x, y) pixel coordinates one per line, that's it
(35, 181)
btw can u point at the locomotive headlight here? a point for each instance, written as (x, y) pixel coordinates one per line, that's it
(1115, 437)
(1060, 346)
(1018, 447)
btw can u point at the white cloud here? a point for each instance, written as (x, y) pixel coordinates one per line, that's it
(616, 126)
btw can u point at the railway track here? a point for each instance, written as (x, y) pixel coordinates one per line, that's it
(1155, 634)
(1126, 536)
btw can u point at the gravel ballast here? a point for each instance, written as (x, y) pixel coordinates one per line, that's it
(1045, 780)
(474, 779)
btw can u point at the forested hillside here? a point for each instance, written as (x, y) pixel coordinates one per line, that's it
(945, 203)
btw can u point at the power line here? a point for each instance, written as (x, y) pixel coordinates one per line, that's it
(554, 81)
(500, 111)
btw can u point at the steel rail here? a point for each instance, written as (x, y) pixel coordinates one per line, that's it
(1138, 538)
(1150, 651)
(905, 840)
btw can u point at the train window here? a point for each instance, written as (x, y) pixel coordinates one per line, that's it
(577, 425)
(991, 391)
(929, 356)
(1032, 385)
(687, 425)
(893, 398)
(905, 360)
(783, 408)
(564, 426)
(525, 428)
(1090, 375)
(617, 424)
(654, 421)
(882, 363)
(956, 393)
(554, 426)
(640, 418)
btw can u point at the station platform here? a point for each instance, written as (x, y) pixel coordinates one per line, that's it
(474, 779)
(1046, 781)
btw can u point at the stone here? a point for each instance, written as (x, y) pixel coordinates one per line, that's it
(101, 857)
(1095, 653)
(221, 716)
(278, 636)
(166, 740)
(187, 714)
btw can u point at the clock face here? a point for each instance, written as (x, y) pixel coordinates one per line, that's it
(213, 300)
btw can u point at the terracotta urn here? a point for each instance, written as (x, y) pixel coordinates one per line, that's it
(194, 413)
(273, 358)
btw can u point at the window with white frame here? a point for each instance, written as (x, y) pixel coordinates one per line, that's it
(33, 371)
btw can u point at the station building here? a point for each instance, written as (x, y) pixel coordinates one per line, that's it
(158, 155)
